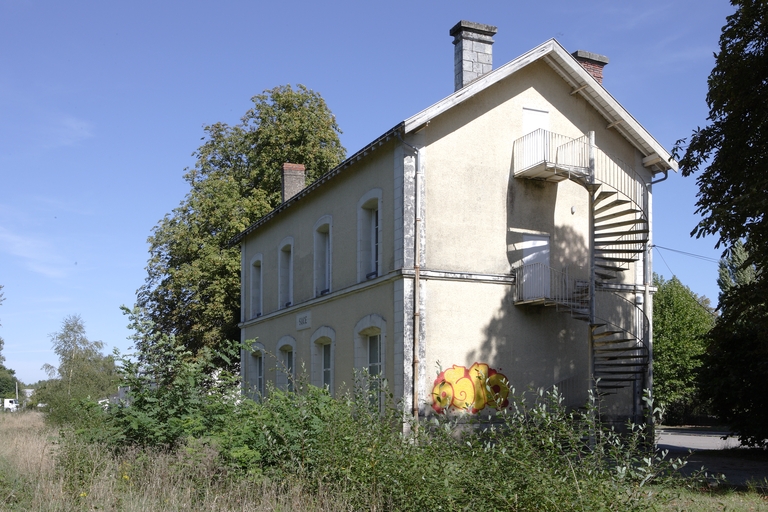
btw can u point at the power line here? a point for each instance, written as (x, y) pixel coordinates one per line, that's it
(698, 256)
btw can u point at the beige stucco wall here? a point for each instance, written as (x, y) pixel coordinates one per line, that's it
(350, 299)
(475, 215)
(298, 221)
(532, 347)
(476, 212)
(341, 313)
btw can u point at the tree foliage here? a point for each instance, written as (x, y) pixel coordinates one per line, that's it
(8, 378)
(681, 320)
(192, 289)
(83, 371)
(736, 361)
(732, 148)
(732, 153)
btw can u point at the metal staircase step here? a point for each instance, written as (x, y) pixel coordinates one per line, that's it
(605, 276)
(619, 242)
(618, 251)
(610, 206)
(619, 260)
(610, 216)
(604, 334)
(620, 224)
(622, 233)
(612, 268)
(603, 195)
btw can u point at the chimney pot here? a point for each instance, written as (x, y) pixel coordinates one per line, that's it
(472, 51)
(592, 62)
(294, 179)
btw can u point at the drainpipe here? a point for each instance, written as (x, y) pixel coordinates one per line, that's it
(592, 267)
(416, 283)
(666, 175)
(416, 278)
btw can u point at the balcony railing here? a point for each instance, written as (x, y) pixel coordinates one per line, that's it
(557, 153)
(543, 154)
(539, 283)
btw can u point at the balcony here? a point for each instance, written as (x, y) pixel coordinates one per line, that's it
(550, 156)
(539, 284)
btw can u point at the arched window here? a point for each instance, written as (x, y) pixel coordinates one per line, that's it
(286, 364)
(256, 287)
(323, 234)
(370, 347)
(323, 354)
(256, 377)
(285, 273)
(369, 235)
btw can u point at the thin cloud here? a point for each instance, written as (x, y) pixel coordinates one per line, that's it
(37, 255)
(67, 131)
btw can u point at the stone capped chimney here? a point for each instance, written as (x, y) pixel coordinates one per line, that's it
(294, 180)
(472, 54)
(592, 62)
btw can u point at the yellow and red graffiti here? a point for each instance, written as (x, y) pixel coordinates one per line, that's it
(470, 390)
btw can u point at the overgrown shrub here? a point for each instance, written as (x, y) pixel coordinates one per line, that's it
(362, 448)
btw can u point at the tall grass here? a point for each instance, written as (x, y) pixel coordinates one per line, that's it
(45, 470)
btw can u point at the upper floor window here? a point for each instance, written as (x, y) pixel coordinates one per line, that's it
(285, 273)
(369, 236)
(256, 288)
(322, 234)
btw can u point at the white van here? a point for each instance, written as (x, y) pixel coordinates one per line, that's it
(10, 405)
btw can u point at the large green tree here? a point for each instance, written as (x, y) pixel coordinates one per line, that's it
(192, 289)
(731, 156)
(731, 151)
(681, 320)
(83, 371)
(735, 366)
(8, 378)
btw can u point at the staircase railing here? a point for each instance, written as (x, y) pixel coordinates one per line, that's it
(616, 312)
(538, 282)
(618, 175)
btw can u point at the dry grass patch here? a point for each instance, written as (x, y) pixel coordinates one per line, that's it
(40, 470)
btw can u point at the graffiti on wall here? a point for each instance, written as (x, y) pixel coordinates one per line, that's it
(462, 389)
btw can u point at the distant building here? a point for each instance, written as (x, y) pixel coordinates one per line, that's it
(498, 238)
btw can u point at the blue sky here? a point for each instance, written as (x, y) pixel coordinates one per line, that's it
(103, 103)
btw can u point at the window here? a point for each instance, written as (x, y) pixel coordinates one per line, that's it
(286, 363)
(369, 236)
(256, 308)
(287, 360)
(323, 348)
(257, 372)
(370, 348)
(323, 256)
(374, 355)
(285, 273)
(327, 366)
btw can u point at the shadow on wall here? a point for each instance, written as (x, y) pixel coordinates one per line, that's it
(536, 346)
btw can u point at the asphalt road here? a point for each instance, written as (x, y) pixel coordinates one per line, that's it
(708, 449)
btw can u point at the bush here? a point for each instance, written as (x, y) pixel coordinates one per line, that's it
(362, 448)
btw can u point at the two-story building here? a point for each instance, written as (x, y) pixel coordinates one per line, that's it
(497, 239)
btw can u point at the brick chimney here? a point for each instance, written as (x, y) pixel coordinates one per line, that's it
(592, 62)
(472, 53)
(294, 180)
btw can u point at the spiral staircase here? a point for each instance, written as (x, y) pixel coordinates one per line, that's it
(619, 231)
